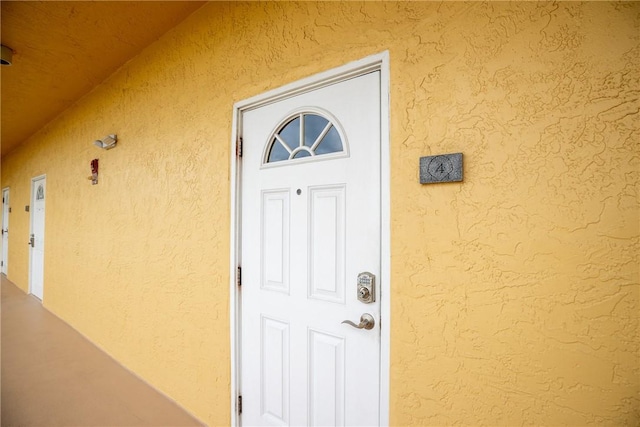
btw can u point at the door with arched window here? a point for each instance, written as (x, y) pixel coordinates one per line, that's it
(36, 238)
(4, 266)
(310, 225)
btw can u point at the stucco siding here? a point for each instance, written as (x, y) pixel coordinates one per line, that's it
(514, 294)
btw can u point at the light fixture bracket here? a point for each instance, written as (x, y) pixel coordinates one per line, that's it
(108, 142)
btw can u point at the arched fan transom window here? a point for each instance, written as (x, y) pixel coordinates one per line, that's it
(304, 135)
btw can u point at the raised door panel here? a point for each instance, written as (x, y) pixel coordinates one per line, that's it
(327, 243)
(274, 371)
(326, 389)
(275, 227)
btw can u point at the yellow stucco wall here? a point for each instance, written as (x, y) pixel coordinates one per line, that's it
(515, 294)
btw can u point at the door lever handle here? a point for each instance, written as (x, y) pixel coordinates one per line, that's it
(366, 322)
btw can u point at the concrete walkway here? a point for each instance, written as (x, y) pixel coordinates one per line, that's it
(53, 376)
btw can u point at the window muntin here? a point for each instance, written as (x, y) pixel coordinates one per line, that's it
(303, 135)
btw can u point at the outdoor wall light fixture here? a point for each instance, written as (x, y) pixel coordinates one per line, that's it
(6, 55)
(108, 142)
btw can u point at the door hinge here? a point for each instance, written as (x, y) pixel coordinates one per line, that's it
(240, 404)
(239, 276)
(239, 147)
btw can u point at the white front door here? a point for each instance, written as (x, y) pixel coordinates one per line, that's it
(5, 230)
(36, 240)
(311, 223)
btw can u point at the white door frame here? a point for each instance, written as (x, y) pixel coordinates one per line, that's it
(31, 215)
(5, 254)
(379, 62)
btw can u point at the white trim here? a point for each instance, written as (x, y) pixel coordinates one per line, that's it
(379, 62)
(235, 261)
(345, 72)
(31, 200)
(385, 238)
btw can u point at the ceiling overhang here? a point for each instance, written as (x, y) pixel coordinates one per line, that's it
(63, 49)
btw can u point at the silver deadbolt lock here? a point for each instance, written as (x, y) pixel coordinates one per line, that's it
(366, 287)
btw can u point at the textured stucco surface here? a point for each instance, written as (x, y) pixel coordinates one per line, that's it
(515, 294)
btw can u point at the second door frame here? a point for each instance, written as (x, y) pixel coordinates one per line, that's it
(31, 200)
(5, 255)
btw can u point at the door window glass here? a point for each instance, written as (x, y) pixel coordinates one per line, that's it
(40, 193)
(303, 135)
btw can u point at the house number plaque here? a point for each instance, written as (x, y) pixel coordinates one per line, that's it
(441, 168)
